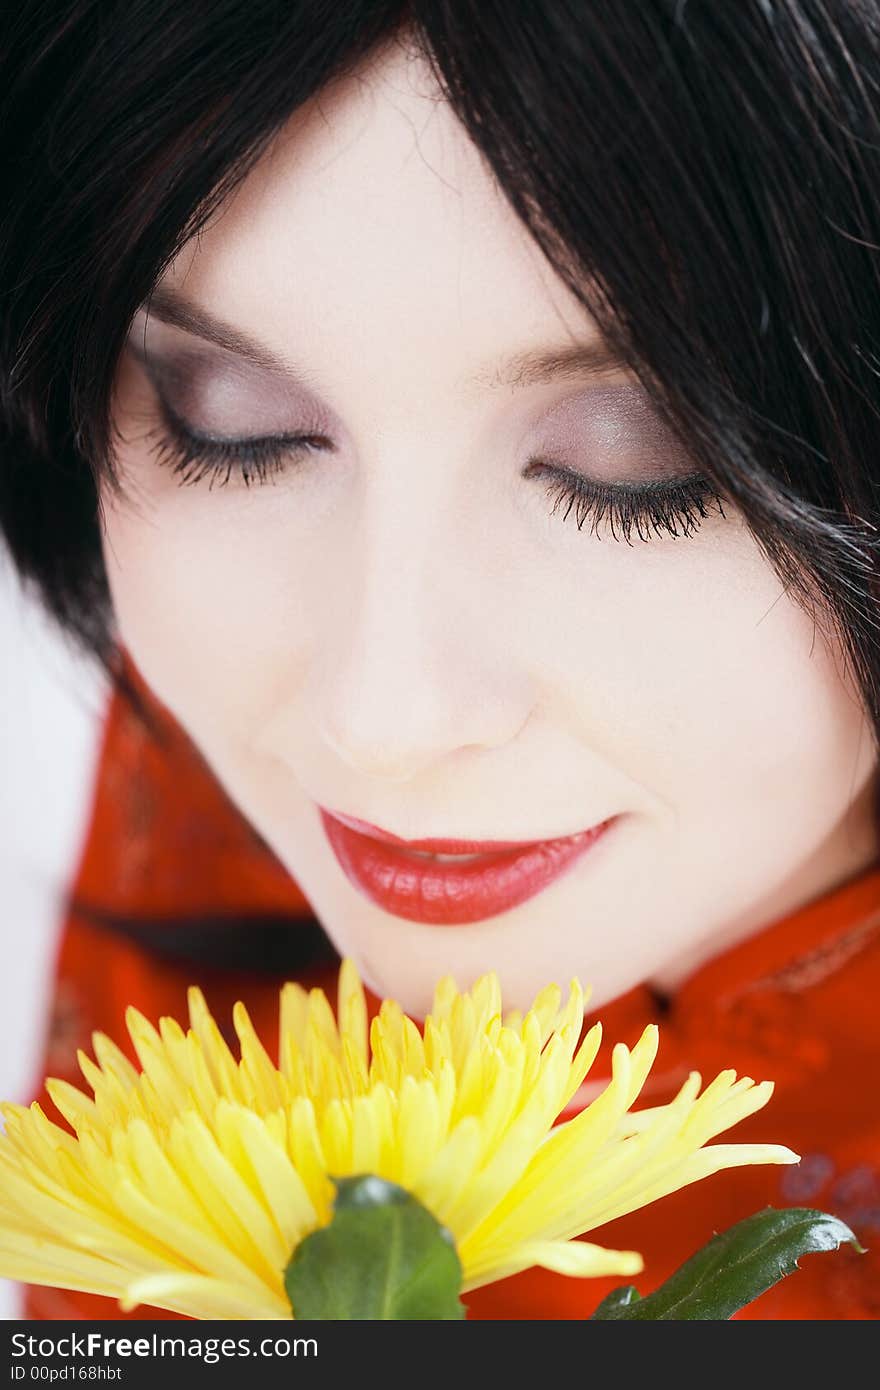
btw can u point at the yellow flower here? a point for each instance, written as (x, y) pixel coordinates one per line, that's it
(189, 1183)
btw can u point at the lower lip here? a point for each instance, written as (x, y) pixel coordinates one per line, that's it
(444, 893)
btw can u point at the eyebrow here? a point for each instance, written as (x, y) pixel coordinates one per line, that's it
(541, 367)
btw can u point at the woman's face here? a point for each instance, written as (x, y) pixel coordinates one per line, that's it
(403, 621)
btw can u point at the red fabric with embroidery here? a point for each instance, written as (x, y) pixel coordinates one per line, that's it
(796, 1004)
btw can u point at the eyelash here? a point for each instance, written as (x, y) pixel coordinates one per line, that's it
(663, 507)
(194, 458)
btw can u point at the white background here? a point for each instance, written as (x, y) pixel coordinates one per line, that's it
(52, 705)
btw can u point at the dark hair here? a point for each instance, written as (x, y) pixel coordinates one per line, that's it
(704, 176)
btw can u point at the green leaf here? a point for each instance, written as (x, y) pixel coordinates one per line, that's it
(623, 1297)
(734, 1268)
(383, 1255)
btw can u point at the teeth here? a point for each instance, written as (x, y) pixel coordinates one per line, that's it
(446, 858)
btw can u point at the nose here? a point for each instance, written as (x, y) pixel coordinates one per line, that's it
(414, 665)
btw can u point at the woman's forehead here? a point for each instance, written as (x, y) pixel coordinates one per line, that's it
(373, 220)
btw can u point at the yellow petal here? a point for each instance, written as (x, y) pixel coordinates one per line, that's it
(352, 1010)
(198, 1296)
(579, 1260)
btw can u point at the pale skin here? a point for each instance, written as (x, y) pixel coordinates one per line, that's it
(398, 626)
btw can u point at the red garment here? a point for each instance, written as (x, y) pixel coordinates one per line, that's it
(796, 1004)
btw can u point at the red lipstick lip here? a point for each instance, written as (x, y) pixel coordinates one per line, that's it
(384, 870)
(428, 846)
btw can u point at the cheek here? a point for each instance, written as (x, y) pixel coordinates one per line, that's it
(691, 671)
(203, 602)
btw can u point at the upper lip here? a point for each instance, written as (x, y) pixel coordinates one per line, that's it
(436, 846)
